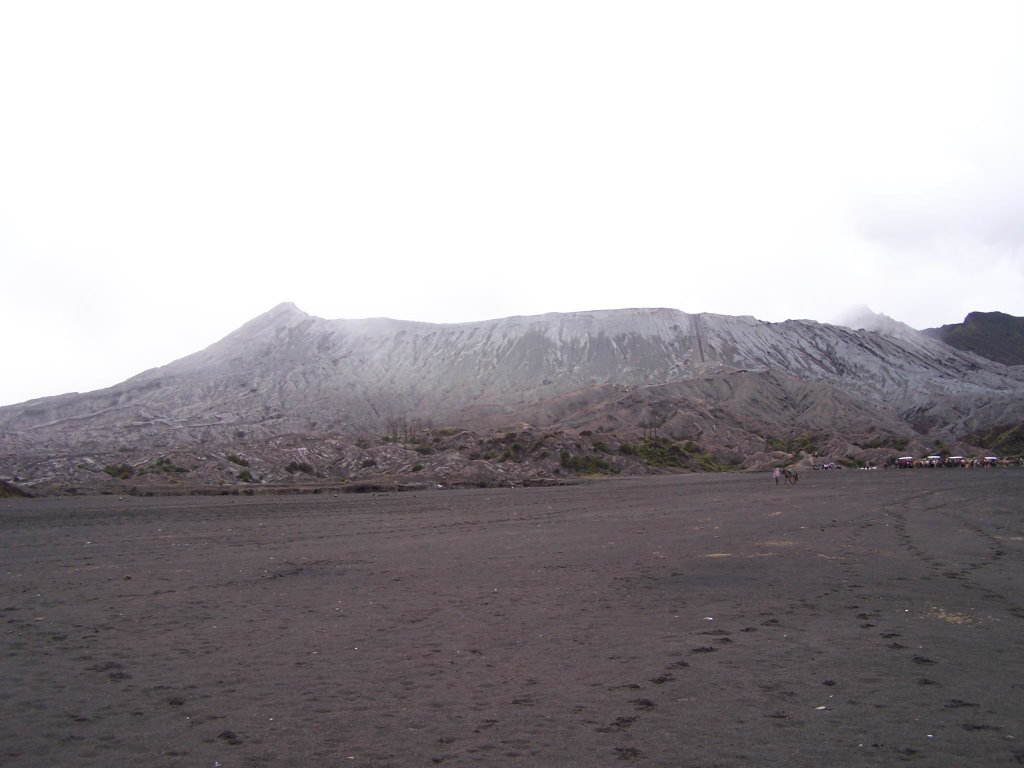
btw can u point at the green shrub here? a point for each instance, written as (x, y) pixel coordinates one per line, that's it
(805, 443)
(898, 443)
(708, 463)
(1005, 439)
(164, 464)
(586, 464)
(237, 460)
(417, 467)
(10, 490)
(119, 471)
(245, 476)
(663, 452)
(299, 466)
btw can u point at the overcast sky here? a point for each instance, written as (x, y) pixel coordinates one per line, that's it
(170, 170)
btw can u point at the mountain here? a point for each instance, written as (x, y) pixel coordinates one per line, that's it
(519, 399)
(862, 318)
(993, 335)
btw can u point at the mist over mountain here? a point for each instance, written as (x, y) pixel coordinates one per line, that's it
(518, 399)
(863, 318)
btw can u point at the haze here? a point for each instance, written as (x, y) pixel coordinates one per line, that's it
(167, 172)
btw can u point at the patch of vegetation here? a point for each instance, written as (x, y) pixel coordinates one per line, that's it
(119, 471)
(663, 452)
(708, 463)
(299, 466)
(601, 446)
(235, 459)
(417, 467)
(942, 449)
(805, 443)
(514, 452)
(362, 443)
(367, 463)
(537, 445)
(165, 465)
(897, 443)
(424, 450)
(245, 476)
(9, 490)
(586, 464)
(1004, 440)
(658, 452)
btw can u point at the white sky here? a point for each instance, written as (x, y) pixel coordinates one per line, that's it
(170, 170)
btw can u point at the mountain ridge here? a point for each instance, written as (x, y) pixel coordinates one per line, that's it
(993, 335)
(738, 386)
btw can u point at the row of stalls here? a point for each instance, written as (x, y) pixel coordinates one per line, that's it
(909, 462)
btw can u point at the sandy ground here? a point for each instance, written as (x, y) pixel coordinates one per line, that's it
(859, 618)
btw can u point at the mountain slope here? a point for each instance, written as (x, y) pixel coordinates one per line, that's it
(993, 335)
(738, 386)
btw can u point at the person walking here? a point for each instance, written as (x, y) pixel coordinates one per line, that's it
(776, 474)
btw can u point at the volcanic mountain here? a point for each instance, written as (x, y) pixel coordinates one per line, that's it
(289, 395)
